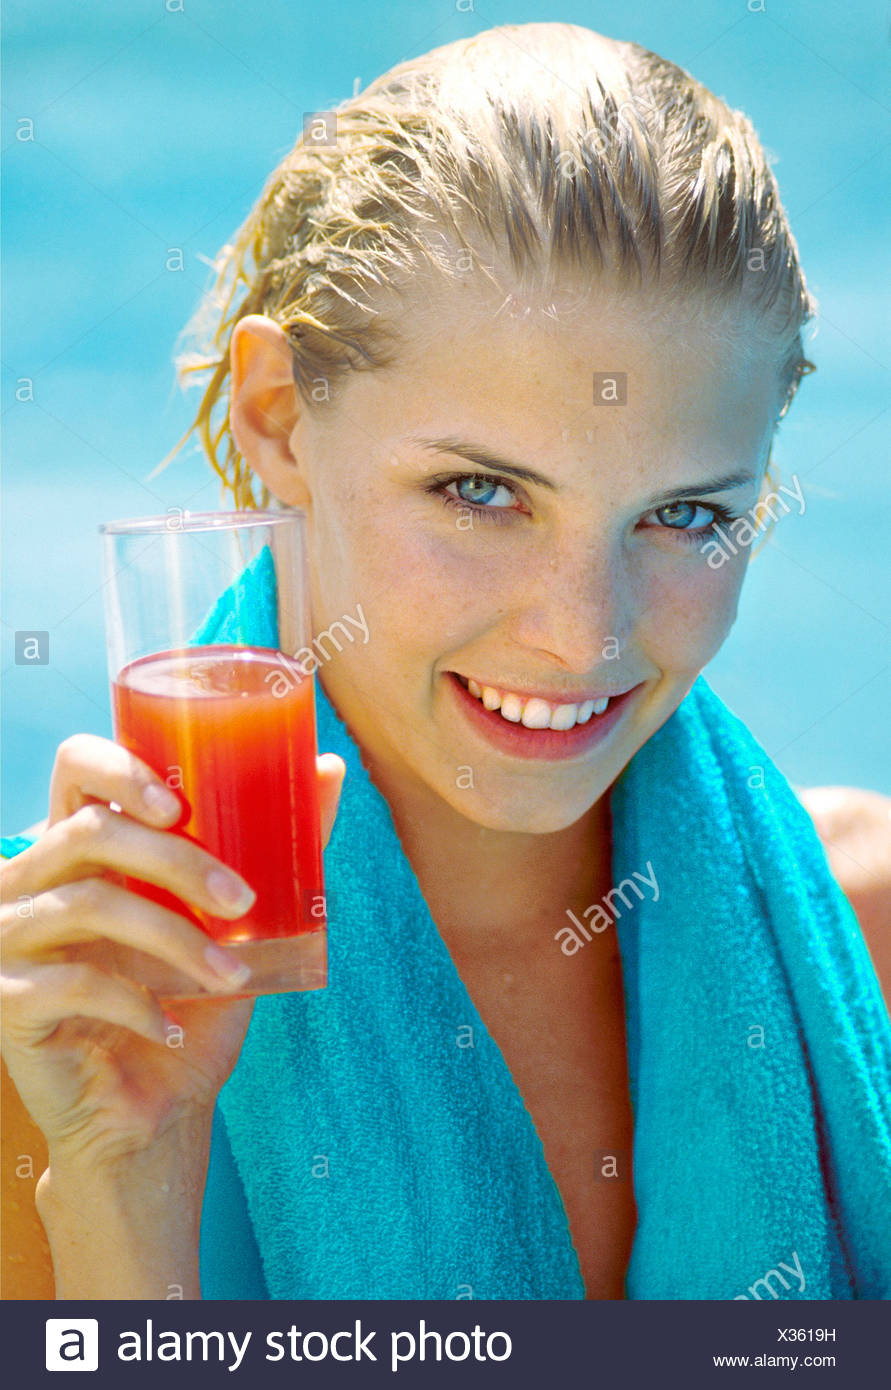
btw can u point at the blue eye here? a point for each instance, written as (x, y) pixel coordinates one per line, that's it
(480, 489)
(475, 493)
(679, 515)
(676, 517)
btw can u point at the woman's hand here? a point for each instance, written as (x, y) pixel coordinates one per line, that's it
(101, 1069)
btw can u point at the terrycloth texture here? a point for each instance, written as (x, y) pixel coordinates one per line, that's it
(382, 1159)
(248, 606)
(371, 1142)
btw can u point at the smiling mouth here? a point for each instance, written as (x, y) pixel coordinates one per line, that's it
(534, 712)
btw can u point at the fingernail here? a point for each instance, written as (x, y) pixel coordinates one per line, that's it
(159, 800)
(230, 970)
(230, 890)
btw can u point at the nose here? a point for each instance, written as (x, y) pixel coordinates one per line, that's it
(577, 605)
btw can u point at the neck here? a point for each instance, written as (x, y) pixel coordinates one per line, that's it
(484, 885)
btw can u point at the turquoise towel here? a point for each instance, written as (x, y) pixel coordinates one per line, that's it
(362, 1150)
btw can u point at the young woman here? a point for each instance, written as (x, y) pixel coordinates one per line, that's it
(515, 327)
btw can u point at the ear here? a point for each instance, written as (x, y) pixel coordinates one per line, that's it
(264, 407)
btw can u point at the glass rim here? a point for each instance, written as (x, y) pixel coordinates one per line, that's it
(200, 521)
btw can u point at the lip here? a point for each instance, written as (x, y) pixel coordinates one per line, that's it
(553, 744)
(572, 697)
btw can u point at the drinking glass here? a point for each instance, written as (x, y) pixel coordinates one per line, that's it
(207, 631)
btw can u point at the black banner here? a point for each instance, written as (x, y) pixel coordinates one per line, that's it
(417, 1344)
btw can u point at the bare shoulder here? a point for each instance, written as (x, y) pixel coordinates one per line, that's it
(27, 1270)
(855, 829)
(27, 1266)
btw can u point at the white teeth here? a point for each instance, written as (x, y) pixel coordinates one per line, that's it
(564, 716)
(533, 712)
(512, 708)
(536, 714)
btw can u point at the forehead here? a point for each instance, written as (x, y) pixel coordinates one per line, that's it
(515, 370)
(468, 331)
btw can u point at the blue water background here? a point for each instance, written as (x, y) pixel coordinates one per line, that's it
(155, 128)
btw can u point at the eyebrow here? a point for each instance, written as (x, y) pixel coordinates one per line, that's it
(478, 453)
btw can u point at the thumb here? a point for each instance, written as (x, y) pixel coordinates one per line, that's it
(331, 771)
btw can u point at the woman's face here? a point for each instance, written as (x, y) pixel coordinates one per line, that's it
(588, 581)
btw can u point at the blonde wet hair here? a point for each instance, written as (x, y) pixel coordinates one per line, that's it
(551, 143)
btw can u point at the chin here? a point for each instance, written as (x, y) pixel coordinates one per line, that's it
(518, 817)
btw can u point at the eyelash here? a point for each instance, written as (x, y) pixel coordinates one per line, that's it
(500, 515)
(497, 514)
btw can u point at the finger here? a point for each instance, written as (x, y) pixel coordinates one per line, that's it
(96, 837)
(331, 771)
(90, 768)
(93, 909)
(35, 1004)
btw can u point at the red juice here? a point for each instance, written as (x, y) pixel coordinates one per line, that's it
(231, 730)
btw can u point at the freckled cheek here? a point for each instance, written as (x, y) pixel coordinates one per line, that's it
(359, 557)
(426, 585)
(686, 616)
